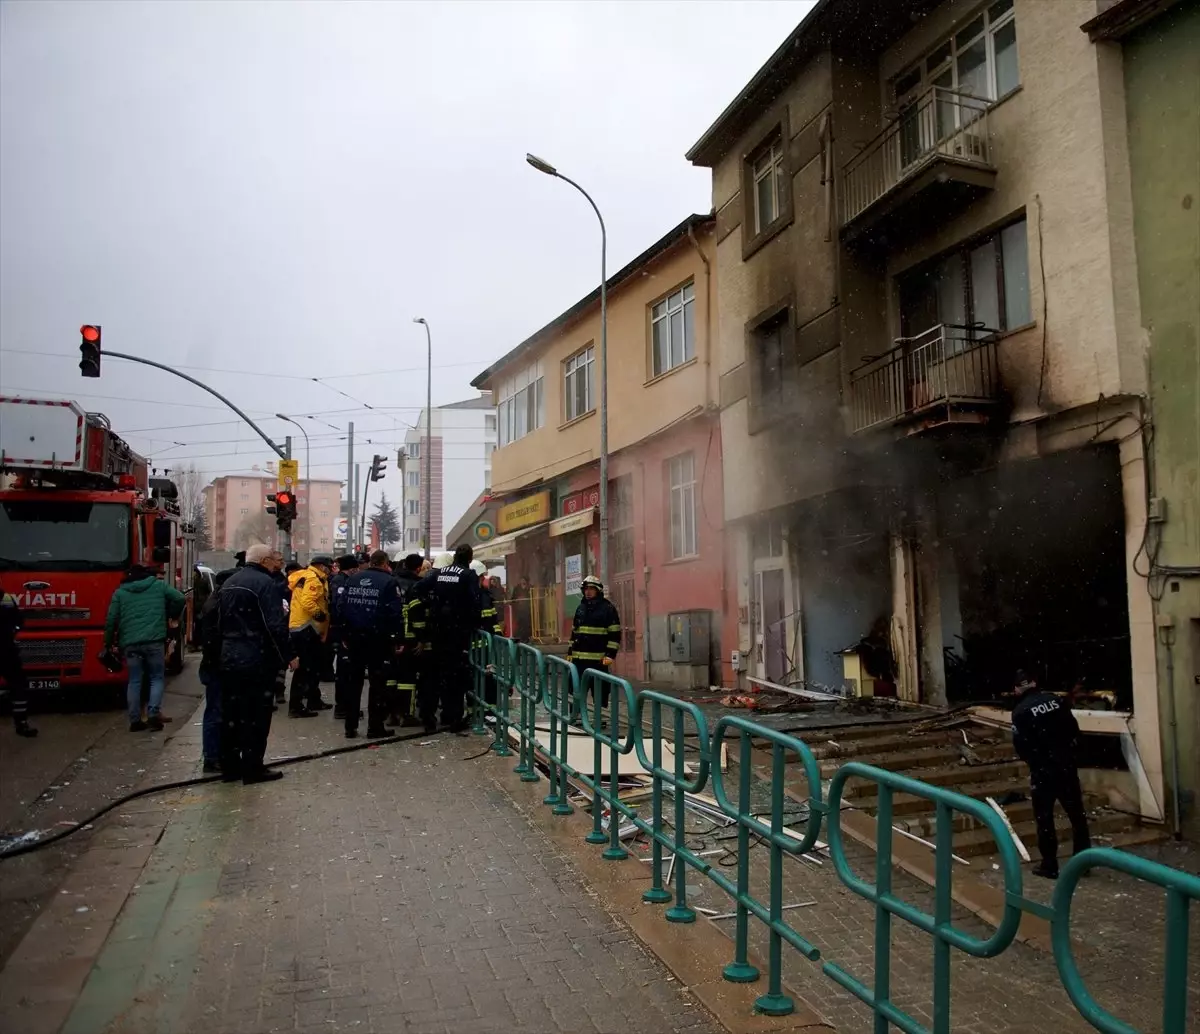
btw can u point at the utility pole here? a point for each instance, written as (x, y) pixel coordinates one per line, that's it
(350, 525)
(427, 512)
(357, 496)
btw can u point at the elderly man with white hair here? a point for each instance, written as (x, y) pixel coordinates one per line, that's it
(254, 645)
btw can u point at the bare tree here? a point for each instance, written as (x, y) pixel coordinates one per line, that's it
(254, 529)
(190, 483)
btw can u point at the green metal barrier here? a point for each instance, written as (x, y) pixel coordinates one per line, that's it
(553, 684)
(1181, 889)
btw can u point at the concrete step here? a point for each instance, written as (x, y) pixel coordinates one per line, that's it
(1005, 775)
(844, 733)
(893, 743)
(976, 842)
(926, 758)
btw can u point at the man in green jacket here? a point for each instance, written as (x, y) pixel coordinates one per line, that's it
(137, 620)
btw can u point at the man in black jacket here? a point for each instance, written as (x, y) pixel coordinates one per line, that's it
(209, 625)
(346, 566)
(1044, 735)
(452, 606)
(372, 624)
(254, 644)
(595, 634)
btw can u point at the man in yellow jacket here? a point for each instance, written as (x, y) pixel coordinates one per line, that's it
(308, 622)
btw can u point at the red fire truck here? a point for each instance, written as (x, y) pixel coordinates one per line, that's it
(77, 510)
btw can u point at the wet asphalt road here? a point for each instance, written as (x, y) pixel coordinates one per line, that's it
(80, 760)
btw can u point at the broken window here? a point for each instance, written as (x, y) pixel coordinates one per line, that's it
(772, 363)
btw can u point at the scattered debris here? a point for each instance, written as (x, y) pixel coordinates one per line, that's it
(732, 915)
(1021, 848)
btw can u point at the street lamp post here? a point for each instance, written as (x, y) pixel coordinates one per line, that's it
(543, 166)
(428, 508)
(308, 500)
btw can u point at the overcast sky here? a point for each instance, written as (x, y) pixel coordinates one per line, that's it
(264, 193)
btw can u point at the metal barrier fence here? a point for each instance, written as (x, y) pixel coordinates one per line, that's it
(539, 681)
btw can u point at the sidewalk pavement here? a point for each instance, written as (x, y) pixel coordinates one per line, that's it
(392, 889)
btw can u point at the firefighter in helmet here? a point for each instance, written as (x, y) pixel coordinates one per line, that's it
(595, 633)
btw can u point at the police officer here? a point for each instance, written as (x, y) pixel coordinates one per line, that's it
(1045, 734)
(346, 566)
(402, 682)
(452, 606)
(10, 664)
(372, 616)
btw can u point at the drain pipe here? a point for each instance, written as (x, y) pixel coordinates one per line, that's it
(708, 342)
(1166, 635)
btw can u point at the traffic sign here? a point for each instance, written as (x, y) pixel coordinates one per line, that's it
(289, 473)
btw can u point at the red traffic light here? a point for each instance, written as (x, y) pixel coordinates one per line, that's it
(90, 333)
(283, 498)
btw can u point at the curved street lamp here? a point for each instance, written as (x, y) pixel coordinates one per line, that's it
(545, 167)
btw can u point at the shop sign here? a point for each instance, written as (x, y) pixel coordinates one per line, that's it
(574, 522)
(533, 509)
(484, 532)
(577, 501)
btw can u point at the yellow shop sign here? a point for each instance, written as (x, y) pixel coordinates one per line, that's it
(533, 509)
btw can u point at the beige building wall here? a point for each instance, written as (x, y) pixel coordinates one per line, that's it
(639, 404)
(229, 501)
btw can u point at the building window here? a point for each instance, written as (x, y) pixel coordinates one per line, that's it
(979, 60)
(982, 284)
(414, 536)
(324, 513)
(620, 541)
(487, 478)
(577, 384)
(768, 184)
(414, 507)
(244, 510)
(414, 479)
(522, 407)
(681, 477)
(245, 496)
(672, 328)
(414, 451)
(767, 539)
(772, 366)
(489, 423)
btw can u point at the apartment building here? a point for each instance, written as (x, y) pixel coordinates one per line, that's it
(932, 362)
(666, 538)
(235, 508)
(461, 446)
(1158, 43)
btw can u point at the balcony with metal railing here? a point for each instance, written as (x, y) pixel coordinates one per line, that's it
(938, 148)
(948, 374)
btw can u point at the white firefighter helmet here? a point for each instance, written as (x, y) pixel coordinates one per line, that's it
(479, 567)
(593, 581)
(442, 560)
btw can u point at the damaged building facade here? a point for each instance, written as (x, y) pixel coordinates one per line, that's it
(932, 364)
(666, 539)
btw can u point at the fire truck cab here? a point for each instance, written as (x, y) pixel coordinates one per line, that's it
(77, 511)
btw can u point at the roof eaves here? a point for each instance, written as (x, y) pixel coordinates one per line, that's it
(715, 141)
(664, 243)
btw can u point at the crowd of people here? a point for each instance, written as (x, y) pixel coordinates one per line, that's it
(404, 631)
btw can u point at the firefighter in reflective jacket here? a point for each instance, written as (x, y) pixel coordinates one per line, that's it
(372, 625)
(596, 633)
(489, 621)
(402, 682)
(451, 605)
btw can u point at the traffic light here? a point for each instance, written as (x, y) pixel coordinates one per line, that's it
(271, 500)
(378, 467)
(285, 510)
(89, 350)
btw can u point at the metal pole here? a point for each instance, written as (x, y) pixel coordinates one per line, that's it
(357, 497)
(427, 513)
(200, 384)
(307, 483)
(550, 170)
(350, 488)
